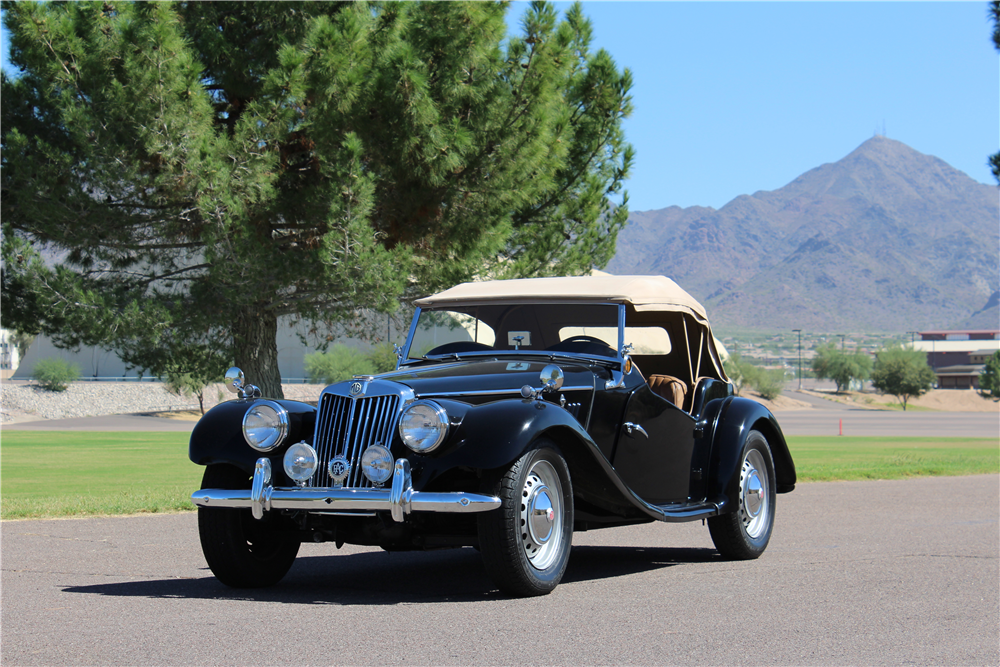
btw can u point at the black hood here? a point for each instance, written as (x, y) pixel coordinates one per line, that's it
(485, 377)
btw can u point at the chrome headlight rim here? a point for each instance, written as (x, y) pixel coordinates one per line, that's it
(370, 464)
(440, 417)
(300, 462)
(279, 431)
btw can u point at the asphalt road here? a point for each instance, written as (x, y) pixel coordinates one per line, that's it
(831, 419)
(890, 423)
(861, 573)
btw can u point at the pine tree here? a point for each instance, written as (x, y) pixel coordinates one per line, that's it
(202, 169)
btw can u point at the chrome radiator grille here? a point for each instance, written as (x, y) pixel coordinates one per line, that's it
(346, 427)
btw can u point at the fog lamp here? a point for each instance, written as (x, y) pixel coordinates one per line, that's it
(300, 462)
(376, 464)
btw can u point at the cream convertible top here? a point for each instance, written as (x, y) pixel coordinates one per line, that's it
(645, 293)
(656, 300)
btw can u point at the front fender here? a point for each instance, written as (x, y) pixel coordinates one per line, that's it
(494, 435)
(733, 419)
(218, 436)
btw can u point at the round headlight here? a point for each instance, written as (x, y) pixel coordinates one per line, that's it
(265, 425)
(376, 464)
(423, 426)
(300, 462)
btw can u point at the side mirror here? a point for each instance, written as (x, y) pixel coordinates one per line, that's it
(552, 378)
(235, 380)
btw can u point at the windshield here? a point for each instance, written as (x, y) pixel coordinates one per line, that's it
(575, 328)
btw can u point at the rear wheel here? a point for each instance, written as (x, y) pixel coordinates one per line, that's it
(241, 551)
(744, 534)
(526, 543)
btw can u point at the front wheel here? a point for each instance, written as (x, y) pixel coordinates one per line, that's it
(744, 534)
(241, 551)
(525, 543)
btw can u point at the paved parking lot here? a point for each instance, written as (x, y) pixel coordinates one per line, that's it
(896, 572)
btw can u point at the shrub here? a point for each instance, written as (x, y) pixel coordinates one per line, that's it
(55, 374)
(337, 364)
(383, 357)
(740, 371)
(768, 382)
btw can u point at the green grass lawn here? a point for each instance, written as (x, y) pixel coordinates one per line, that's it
(65, 473)
(828, 458)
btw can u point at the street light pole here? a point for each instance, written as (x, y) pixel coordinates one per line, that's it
(799, 332)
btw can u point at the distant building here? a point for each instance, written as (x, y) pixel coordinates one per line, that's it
(9, 359)
(958, 357)
(100, 364)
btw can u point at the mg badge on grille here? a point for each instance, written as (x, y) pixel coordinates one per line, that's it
(339, 468)
(357, 388)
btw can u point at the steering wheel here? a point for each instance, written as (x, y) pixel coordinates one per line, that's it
(459, 346)
(584, 339)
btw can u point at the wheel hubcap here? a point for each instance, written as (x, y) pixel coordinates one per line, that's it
(755, 501)
(753, 494)
(541, 515)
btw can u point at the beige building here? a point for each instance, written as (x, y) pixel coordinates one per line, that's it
(958, 357)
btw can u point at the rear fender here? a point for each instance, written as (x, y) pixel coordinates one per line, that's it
(733, 419)
(218, 436)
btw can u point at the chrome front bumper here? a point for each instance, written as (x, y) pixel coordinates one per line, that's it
(400, 500)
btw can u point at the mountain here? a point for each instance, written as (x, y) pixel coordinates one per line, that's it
(886, 239)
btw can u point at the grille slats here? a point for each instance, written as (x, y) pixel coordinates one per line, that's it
(348, 426)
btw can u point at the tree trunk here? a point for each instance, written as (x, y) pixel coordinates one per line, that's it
(255, 349)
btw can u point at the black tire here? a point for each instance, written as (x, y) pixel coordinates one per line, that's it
(525, 543)
(241, 551)
(744, 533)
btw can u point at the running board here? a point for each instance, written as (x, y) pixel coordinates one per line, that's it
(679, 512)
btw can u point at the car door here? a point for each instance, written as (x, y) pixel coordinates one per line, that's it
(655, 447)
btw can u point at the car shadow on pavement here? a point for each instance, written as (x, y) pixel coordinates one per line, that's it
(392, 578)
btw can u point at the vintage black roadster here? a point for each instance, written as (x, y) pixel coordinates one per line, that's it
(520, 411)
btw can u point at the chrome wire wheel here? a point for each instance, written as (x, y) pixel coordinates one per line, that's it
(541, 517)
(755, 497)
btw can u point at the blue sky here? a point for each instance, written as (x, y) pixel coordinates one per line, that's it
(735, 97)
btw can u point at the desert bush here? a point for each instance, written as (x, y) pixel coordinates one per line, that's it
(768, 382)
(383, 357)
(55, 374)
(740, 371)
(337, 364)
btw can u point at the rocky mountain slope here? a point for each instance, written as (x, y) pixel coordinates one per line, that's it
(886, 239)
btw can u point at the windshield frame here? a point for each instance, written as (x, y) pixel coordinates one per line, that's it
(618, 359)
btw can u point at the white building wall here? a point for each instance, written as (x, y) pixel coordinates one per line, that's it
(9, 359)
(98, 363)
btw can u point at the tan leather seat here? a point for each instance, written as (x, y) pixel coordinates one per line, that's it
(668, 387)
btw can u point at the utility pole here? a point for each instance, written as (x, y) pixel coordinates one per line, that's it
(799, 332)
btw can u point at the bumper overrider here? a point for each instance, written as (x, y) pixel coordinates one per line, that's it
(400, 500)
